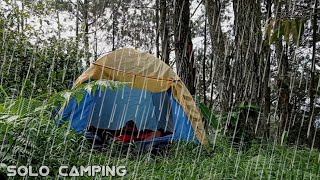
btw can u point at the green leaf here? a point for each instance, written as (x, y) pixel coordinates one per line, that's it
(3, 91)
(209, 116)
(278, 32)
(297, 30)
(258, 159)
(275, 36)
(268, 30)
(79, 97)
(287, 30)
(205, 110)
(234, 118)
(2, 108)
(23, 106)
(250, 106)
(94, 89)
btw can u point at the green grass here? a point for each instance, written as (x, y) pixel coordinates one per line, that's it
(29, 137)
(55, 147)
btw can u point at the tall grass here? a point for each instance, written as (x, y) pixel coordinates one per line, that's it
(29, 137)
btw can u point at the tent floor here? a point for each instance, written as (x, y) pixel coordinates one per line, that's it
(154, 147)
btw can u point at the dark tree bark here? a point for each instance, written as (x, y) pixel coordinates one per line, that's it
(95, 48)
(219, 60)
(157, 27)
(247, 69)
(283, 83)
(183, 45)
(312, 89)
(211, 81)
(164, 32)
(266, 87)
(204, 62)
(284, 91)
(77, 24)
(86, 30)
(247, 55)
(114, 19)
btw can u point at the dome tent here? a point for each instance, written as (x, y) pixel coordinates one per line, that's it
(154, 97)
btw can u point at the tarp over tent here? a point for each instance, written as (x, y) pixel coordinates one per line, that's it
(155, 97)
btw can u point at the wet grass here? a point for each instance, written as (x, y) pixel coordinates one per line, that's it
(34, 139)
(181, 161)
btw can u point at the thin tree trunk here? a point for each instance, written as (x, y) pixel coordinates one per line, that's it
(219, 63)
(95, 45)
(204, 62)
(77, 25)
(22, 17)
(164, 32)
(211, 81)
(86, 31)
(267, 103)
(59, 25)
(283, 85)
(95, 36)
(312, 78)
(284, 93)
(113, 26)
(157, 28)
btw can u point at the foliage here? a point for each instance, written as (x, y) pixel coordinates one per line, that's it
(31, 66)
(28, 130)
(275, 29)
(209, 116)
(78, 92)
(36, 62)
(219, 120)
(31, 138)
(34, 139)
(54, 65)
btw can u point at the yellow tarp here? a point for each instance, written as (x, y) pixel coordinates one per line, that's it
(147, 72)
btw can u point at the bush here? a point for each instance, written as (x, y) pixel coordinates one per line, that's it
(30, 137)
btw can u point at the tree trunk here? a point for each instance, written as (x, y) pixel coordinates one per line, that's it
(59, 25)
(266, 87)
(312, 89)
(283, 83)
(164, 32)
(77, 24)
(183, 45)
(86, 31)
(114, 18)
(248, 67)
(95, 49)
(247, 44)
(211, 81)
(219, 59)
(284, 91)
(22, 16)
(157, 28)
(204, 61)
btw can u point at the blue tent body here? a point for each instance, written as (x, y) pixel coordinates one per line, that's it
(111, 109)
